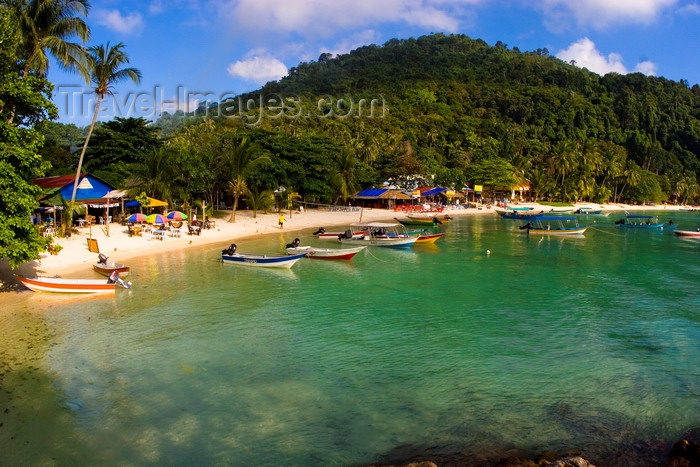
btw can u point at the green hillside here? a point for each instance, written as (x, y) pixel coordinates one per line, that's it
(451, 111)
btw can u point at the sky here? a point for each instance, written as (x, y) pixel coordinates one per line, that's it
(190, 50)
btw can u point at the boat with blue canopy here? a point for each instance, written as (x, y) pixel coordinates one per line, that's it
(554, 225)
(643, 221)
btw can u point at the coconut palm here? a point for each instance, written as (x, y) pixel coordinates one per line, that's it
(260, 200)
(343, 174)
(45, 26)
(240, 159)
(103, 66)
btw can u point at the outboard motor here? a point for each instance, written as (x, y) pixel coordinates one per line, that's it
(294, 244)
(447, 216)
(346, 234)
(102, 258)
(436, 220)
(230, 250)
(115, 279)
(320, 231)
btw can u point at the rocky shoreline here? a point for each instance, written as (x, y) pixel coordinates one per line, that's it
(683, 453)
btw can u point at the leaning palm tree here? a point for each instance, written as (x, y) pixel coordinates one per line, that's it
(45, 26)
(103, 64)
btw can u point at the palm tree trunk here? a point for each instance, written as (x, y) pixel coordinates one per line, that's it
(82, 153)
(235, 206)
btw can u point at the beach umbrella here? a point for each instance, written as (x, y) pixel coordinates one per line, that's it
(156, 219)
(138, 217)
(176, 216)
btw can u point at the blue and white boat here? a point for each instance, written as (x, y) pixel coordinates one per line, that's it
(640, 222)
(554, 225)
(378, 234)
(229, 256)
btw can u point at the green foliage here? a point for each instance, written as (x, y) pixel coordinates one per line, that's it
(118, 144)
(23, 100)
(458, 111)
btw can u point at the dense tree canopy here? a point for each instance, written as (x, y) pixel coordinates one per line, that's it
(24, 100)
(450, 110)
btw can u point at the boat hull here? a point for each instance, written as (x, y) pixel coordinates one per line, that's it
(658, 226)
(571, 231)
(393, 242)
(326, 253)
(108, 268)
(416, 221)
(687, 233)
(262, 261)
(427, 239)
(59, 285)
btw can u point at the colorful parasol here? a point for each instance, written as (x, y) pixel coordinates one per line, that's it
(138, 217)
(176, 216)
(156, 219)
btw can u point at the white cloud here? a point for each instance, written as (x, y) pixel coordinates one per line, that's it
(585, 55)
(327, 17)
(646, 67)
(690, 9)
(132, 23)
(602, 13)
(258, 67)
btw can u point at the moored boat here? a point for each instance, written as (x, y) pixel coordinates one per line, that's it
(430, 238)
(640, 222)
(325, 253)
(106, 268)
(229, 256)
(554, 225)
(422, 221)
(61, 285)
(321, 234)
(378, 234)
(687, 233)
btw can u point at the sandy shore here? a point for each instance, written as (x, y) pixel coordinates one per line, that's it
(75, 256)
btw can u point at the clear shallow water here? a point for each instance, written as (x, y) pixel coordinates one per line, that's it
(589, 343)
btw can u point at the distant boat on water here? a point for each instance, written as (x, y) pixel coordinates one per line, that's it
(554, 225)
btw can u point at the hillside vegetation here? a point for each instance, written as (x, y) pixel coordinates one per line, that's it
(454, 111)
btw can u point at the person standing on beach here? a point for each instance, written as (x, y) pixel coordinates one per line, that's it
(282, 219)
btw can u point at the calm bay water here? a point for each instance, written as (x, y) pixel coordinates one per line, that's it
(585, 343)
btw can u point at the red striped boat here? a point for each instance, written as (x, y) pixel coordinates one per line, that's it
(687, 233)
(57, 284)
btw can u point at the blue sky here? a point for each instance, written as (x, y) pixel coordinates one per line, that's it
(189, 49)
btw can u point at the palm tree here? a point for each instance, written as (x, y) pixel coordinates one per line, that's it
(260, 200)
(240, 159)
(103, 64)
(343, 174)
(45, 25)
(157, 174)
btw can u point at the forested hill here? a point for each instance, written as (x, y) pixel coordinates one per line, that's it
(460, 111)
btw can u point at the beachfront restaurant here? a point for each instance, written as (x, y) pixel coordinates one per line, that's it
(382, 198)
(90, 192)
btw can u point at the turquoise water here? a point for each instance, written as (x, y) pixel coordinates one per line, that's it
(585, 343)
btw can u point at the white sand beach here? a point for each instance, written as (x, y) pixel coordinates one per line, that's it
(75, 257)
